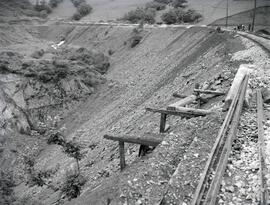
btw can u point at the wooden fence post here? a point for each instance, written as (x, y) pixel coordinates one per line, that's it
(162, 122)
(122, 155)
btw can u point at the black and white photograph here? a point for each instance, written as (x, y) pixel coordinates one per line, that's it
(134, 102)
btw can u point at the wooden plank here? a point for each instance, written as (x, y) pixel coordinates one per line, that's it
(176, 95)
(264, 196)
(149, 139)
(238, 79)
(193, 111)
(169, 112)
(122, 155)
(162, 122)
(182, 103)
(183, 112)
(214, 92)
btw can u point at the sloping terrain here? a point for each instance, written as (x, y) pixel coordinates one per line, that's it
(14, 10)
(166, 60)
(146, 75)
(84, 81)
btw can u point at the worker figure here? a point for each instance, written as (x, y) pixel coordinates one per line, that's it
(249, 27)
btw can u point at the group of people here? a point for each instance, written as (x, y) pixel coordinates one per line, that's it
(242, 27)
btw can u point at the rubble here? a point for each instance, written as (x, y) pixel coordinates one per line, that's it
(242, 178)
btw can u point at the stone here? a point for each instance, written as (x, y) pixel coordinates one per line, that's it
(230, 189)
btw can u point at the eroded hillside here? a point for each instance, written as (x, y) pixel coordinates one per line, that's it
(42, 83)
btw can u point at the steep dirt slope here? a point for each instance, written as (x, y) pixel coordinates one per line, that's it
(166, 60)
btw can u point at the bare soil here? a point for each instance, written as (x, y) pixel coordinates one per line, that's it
(146, 75)
(111, 100)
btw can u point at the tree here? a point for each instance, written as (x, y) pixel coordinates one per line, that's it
(169, 17)
(84, 9)
(140, 14)
(179, 15)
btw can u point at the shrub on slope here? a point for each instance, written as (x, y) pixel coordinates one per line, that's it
(54, 3)
(178, 16)
(83, 9)
(155, 5)
(140, 14)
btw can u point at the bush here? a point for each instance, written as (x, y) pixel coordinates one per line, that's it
(72, 185)
(163, 1)
(54, 3)
(43, 14)
(38, 54)
(76, 3)
(84, 9)
(77, 16)
(110, 52)
(43, 6)
(56, 138)
(169, 17)
(180, 16)
(155, 5)
(179, 3)
(6, 188)
(140, 14)
(191, 16)
(135, 40)
(35, 177)
(38, 178)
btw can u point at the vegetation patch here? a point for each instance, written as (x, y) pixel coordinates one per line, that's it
(6, 187)
(176, 15)
(73, 184)
(138, 15)
(173, 3)
(155, 5)
(54, 3)
(179, 15)
(36, 177)
(83, 9)
(45, 7)
(74, 180)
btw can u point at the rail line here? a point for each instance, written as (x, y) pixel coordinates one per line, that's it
(264, 195)
(208, 187)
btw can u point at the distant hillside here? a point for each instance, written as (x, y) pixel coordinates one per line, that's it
(103, 10)
(262, 18)
(16, 9)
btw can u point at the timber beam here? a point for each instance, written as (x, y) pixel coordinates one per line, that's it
(148, 139)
